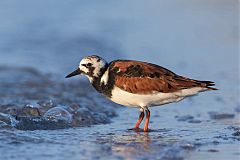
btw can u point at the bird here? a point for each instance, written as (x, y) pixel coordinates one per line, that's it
(138, 84)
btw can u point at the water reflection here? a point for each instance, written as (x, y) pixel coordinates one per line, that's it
(132, 145)
(141, 145)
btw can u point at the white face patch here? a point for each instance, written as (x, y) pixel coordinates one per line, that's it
(95, 62)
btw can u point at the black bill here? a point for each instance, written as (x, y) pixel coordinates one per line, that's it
(74, 73)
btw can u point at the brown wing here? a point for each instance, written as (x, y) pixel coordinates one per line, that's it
(143, 78)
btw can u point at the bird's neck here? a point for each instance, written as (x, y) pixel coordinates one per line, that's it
(103, 83)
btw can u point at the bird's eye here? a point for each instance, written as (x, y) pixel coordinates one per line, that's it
(89, 64)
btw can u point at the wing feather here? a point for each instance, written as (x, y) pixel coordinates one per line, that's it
(144, 78)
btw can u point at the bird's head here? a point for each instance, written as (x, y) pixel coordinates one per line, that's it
(91, 66)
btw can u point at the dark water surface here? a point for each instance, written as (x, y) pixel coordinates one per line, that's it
(44, 116)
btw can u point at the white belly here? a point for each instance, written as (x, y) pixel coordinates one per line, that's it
(136, 100)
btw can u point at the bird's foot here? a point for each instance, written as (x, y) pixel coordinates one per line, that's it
(146, 130)
(136, 129)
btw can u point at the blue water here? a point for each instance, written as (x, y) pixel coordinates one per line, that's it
(181, 35)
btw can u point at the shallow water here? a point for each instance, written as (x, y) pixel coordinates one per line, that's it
(174, 140)
(68, 124)
(44, 116)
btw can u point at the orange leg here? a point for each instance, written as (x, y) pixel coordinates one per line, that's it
(146, 121)
(141, 116)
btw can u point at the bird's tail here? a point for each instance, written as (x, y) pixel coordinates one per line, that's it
(208, 85)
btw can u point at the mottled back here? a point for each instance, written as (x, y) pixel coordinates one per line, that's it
(145, 78)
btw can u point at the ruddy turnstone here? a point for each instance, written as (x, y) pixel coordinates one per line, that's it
(138, 84)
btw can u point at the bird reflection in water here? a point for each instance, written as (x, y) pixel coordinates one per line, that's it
(132, 145)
